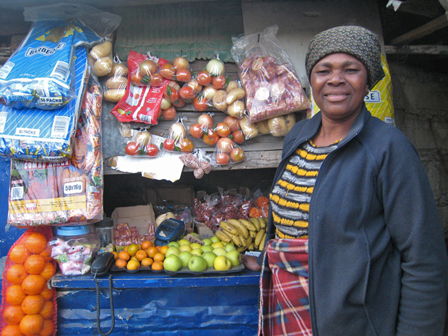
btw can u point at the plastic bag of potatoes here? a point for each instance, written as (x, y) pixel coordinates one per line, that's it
(275, 126)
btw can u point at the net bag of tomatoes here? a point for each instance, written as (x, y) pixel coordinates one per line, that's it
(268, 76)
(141, 145)
(28, 305)
(177, 140)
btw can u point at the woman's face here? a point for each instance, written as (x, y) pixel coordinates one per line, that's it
(339, 83)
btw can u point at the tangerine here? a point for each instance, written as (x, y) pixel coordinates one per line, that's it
(133, 265)
(11, 330)
(121, 263)
(152, 251)
(47, 293)
(13, 314)
(36, 242)
(14, 295)
(164, 248)
(18, 254)
(16, 274)
(34, 284)
(47, 329)
(159, 256)
(147, 244)
(47, 310)
(132, 249)
(141, 254)
(147, 261)
(46, 253)
(31, 324)
(124, 255)
(33, 304)
(157, 266)
(34, 264)
(48, 271)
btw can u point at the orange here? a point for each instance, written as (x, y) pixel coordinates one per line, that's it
(47, 293)
(115, 253)
(132, 249)
(34, 284)
(147, 261)
(133, 265)
(14, 295)
(164, 248)
(152, 251)
(47, 329)
(11, 330)
(157, 266)
(125, 248)
(46, 253)
(47, 310)
(34, 264)
(18, 254)
(121, 263)
(36, 242)
(13, 314)
(158, 247)
(159, 256)
(124, 255)
(48, 271)
(141, 254)
(33, 304)
(16, 274)
(147, 244)
(31, 324)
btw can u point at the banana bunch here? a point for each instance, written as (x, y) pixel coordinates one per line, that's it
(245, 234)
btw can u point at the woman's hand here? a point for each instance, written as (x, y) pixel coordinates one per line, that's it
(251, 263)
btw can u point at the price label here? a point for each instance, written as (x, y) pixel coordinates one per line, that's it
(73, 188)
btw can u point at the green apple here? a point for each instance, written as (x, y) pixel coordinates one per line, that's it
(195, 246)
(183, 242)
(217, 244)
(234, 257)
(185, 247)
(172, 263)
(185, 257)
(219, 251)
(172, 250)
(207, 241)
(215, 239)
(209, 258)
(222, 263)
(197, 251)
(173, 244)
(206, 248)
(197, 264)
(230, 247)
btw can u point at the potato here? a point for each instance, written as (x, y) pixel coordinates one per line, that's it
(236, 109)
(249, 130)
(234, 95)
(117, 82)
(232, 85)
(277, 126)
(219, 100)
(290, 120)
(101, 50)
(114, 95)
(102, 66)
(263, 127)
(119, 69)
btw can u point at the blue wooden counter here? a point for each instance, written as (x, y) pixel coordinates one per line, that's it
(158, 304)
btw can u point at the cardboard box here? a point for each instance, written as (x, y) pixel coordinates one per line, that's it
(139, 216)
(204, 231)
(171, 195)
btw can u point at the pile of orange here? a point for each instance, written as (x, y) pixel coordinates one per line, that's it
(29, 302)
(134, 256)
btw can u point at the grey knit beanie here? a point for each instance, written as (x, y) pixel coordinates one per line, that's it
(353, 40)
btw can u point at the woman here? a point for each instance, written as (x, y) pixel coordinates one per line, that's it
(356, 246)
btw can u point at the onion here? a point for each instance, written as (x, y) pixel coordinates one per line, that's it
(165, 104)
(209, 92)
(181, 63)
(177, 131)
(205, 120)
(215, 67)
(232, 122)
(143, 138)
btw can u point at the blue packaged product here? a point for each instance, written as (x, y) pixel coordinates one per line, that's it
(42, 135)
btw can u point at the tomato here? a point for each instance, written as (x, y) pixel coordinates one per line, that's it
(196, 130)
(151, 150)
(233, 123)
(219, 82)
(222, 129)
(205, 120)
(200, 103)
(210, 138)
(174, 85)
(186, 145)
(169, 113)
(171, 93)
(168, 144)
(179, 102)
(186, 92)
(156, 80)
(183, 75)
(136, 78)
(222, 158)
(204, 77)
(237, 154)
(167, 71)
(224, 145)
(238, 136)
(132, 148)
